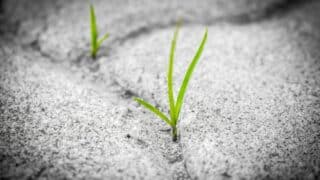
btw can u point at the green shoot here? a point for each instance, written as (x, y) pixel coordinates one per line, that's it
(175, 105)
(95, 42)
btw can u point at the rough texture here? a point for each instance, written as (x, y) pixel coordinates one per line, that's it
(122, 19)
(252, 109)
(53, 127)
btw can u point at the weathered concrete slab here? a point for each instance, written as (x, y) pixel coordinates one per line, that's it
(251, 111)
(54, 125)
(62, 29)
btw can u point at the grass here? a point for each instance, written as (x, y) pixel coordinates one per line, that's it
(95, 41)
(175, 104)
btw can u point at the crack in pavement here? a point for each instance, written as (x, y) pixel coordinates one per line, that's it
(125, 93)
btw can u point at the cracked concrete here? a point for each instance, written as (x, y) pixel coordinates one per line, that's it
(251, 112)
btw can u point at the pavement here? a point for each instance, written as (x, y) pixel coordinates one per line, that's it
(252, 109)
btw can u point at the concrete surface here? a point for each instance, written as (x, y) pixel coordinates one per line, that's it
(252, 109)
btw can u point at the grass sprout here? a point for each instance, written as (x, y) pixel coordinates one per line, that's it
(175, 104)
(95, 41)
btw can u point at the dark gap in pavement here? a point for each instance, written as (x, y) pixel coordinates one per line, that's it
(285, 7)
(35, 46)
(277, 9)
(124, 92)
(186, 168)
(144, 30)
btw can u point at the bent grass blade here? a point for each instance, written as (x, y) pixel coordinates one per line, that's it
(154, 110)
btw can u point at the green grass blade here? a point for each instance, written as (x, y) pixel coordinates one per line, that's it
(94, 31)
(103, 39)
(154, 110)
(170, 72)
(188, 74)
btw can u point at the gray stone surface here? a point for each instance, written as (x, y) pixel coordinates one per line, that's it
(252, 109)
(54, 125)
(67, 21)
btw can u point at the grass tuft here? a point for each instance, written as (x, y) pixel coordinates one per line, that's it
(176, 105)
(95, 41)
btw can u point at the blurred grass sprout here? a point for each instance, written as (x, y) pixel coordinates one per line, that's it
(95, 41)
(175, 105)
